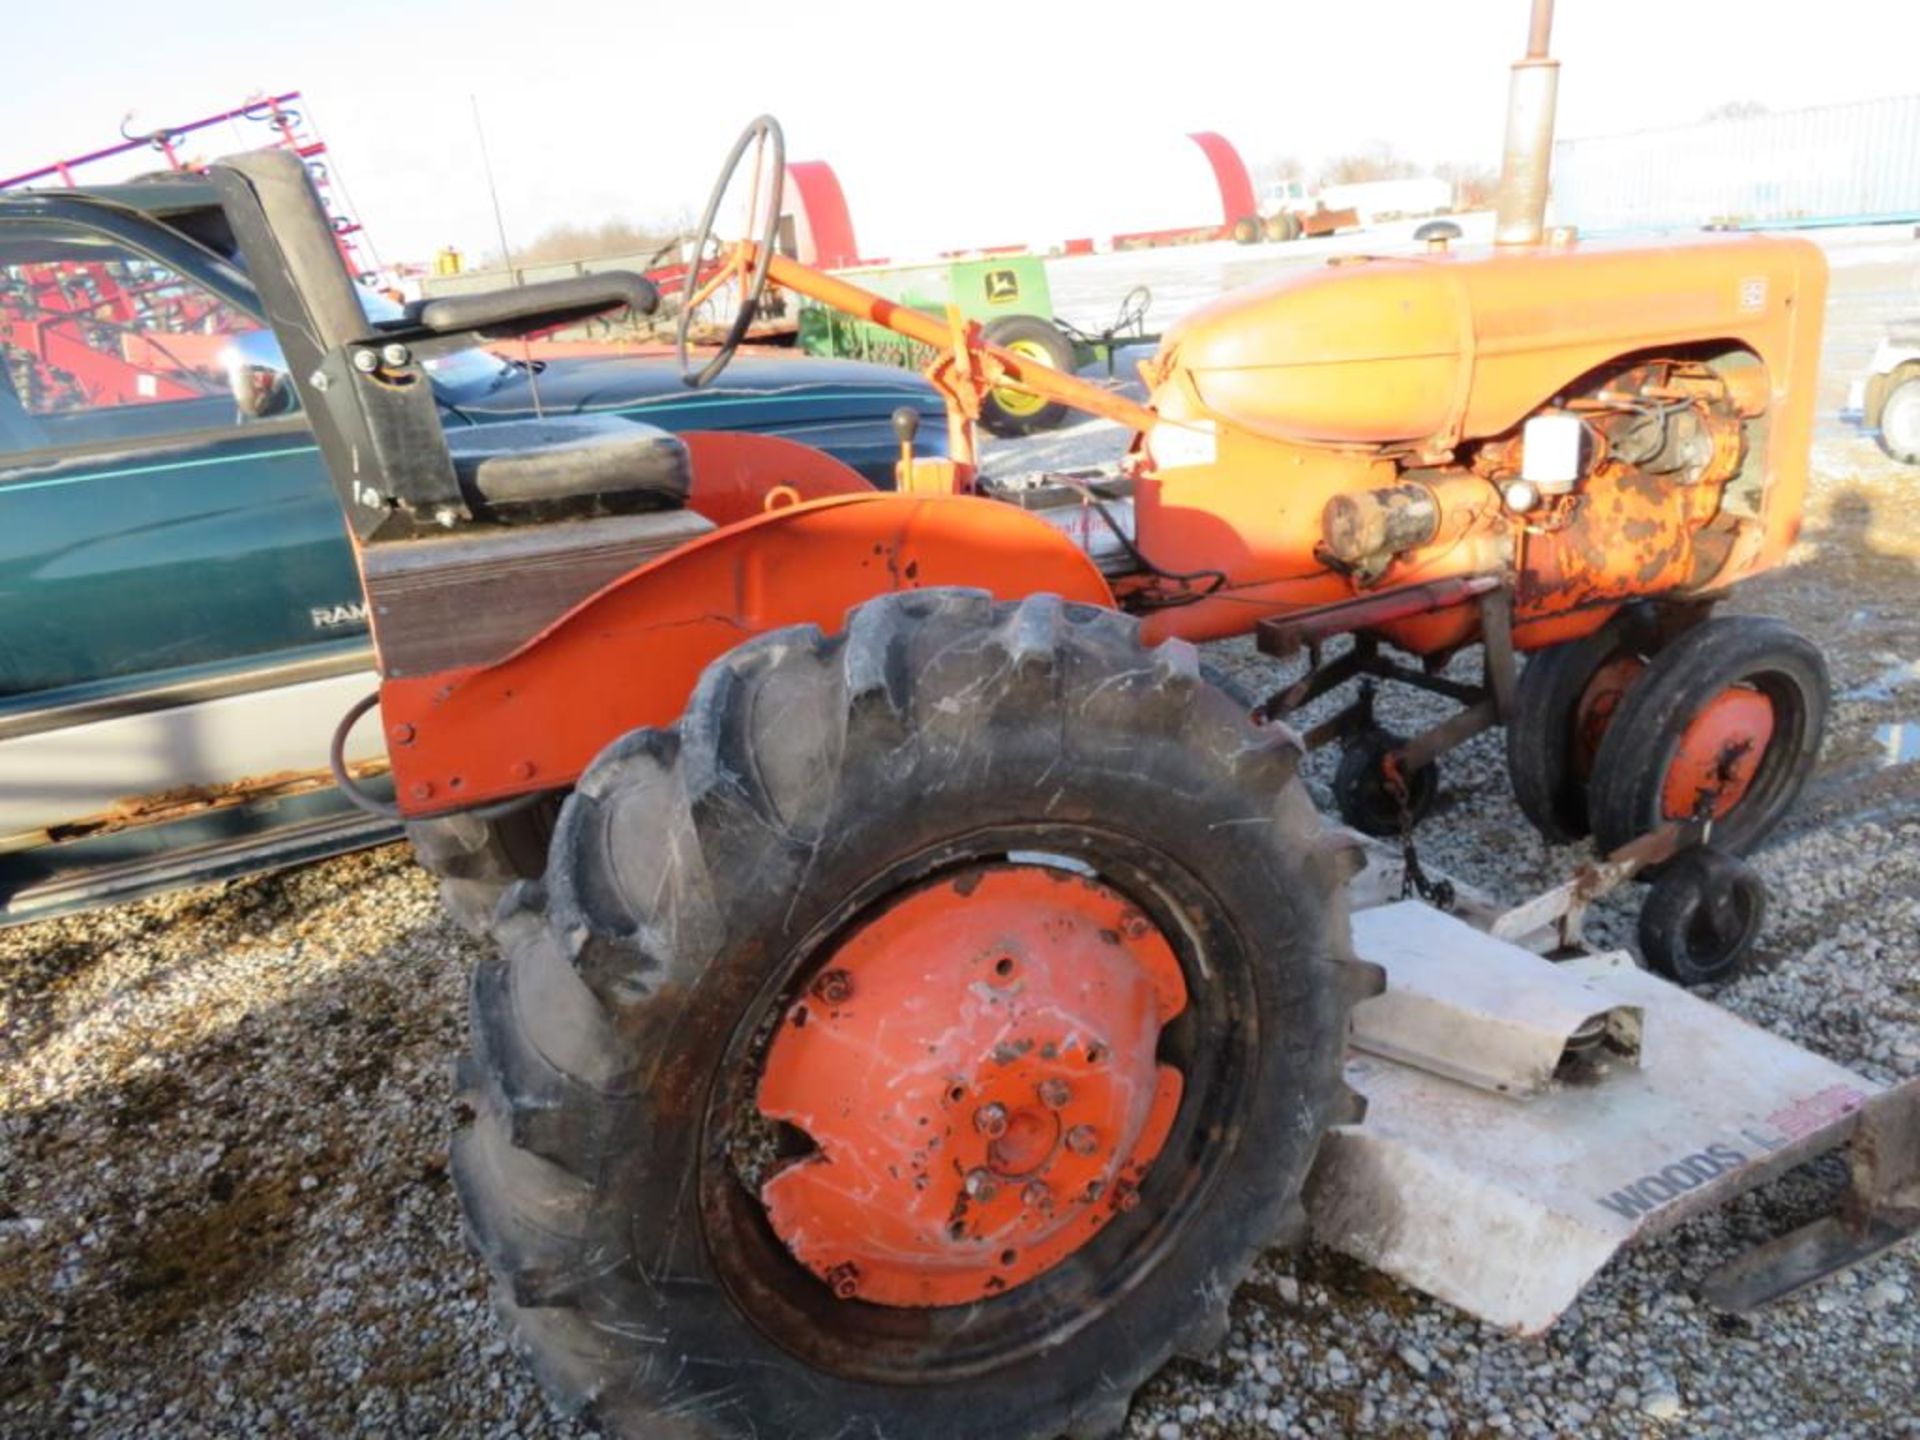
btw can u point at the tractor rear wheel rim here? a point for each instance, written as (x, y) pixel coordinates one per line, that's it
(1212, 1044)
(976, 1065)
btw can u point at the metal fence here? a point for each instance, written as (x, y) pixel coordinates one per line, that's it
(1835, 165)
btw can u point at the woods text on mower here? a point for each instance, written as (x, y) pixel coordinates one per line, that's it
(922, 991)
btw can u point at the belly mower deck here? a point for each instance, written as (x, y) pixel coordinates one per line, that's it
(1527, 1118)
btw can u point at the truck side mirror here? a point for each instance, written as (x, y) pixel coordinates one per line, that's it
(258, 375)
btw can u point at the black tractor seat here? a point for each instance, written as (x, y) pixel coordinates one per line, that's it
(569, 466)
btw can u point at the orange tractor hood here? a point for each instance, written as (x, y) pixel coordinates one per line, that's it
(1435, 348)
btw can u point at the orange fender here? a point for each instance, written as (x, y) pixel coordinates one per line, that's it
(629, 655)
(734, 471)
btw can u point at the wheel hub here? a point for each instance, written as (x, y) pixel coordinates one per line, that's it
(976, 1067)
(1719, 754)
(1020, 403)
(1595, 710)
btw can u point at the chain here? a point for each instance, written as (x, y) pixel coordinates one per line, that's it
(1413, 879)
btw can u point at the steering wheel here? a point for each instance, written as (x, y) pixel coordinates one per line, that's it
(748, 266)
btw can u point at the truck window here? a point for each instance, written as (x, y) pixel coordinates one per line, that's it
(100, 344)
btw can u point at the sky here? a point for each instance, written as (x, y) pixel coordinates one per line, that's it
(595, 110)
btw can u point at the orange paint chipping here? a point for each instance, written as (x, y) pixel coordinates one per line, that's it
(1720, 752)
(976, 1067)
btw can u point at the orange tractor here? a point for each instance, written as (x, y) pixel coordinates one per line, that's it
(922, 987)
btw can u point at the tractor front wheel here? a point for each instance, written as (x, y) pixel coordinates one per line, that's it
(1564, 702)
(922, 1038)
(1723, 724)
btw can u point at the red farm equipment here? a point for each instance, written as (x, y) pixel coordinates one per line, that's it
(99, 329)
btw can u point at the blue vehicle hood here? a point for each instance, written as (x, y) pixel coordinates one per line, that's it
(754, 393)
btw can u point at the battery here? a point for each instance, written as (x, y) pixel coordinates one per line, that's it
(1093, 509)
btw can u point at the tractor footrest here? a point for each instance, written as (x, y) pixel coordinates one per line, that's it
(1286, 635)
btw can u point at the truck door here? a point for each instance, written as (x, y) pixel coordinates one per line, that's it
(147, 530)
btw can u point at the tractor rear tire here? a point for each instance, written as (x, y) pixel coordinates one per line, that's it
(1643, 742)
(1010, 412)
(611, 1174)
(476, 860)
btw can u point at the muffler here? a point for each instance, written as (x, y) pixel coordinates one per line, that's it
(1521, 210)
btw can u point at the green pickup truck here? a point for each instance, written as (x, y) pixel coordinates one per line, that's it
(180, 623)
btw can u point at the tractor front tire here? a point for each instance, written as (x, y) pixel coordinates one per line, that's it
(1728, 719)
(1545, 745)
(715, 887)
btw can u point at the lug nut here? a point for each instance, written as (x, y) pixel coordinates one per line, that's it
(991, 1120)
(845, 1280)
(1083, 1140)
(1095, 1189)
(1037, 1196)
(835, 987)
(982, 1186)
(1055, 1093)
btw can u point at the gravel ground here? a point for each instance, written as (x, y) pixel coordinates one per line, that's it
(224, 1205)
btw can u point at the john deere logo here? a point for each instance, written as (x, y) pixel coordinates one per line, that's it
(1002, 286)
